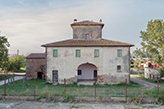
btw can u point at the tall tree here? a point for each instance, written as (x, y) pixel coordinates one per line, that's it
(153, 40)
(16, 62)
(4, 44)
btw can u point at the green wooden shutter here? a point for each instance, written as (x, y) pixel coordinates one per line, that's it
(96, 52)
(78, 54)
(119, 53)
(55, 53)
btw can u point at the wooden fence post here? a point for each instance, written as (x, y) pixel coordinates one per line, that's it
(126, 90)
(5, 85)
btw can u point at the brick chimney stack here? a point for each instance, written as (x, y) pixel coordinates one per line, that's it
(75, 20)
(100, 20)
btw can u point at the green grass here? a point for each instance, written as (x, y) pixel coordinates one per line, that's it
(44, 89)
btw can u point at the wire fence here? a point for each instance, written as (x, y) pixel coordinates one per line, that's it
(42, 89)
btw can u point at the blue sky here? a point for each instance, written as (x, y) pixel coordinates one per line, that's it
(30, 23)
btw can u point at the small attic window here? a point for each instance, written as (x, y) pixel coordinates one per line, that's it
(86, 36)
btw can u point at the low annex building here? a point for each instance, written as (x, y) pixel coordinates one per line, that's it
(35, 65)
(87, 56)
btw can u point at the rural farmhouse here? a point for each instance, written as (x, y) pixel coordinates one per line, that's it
(84, 58)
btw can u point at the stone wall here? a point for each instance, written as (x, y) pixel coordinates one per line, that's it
(32, 65)
(151, 73)
(94, 32)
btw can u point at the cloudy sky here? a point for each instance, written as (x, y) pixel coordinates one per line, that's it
(30, 23)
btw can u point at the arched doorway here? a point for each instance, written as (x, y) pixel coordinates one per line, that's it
(87, 72)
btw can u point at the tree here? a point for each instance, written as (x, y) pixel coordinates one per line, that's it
(16, 62)
(3, 52)
(139, 53)
(153, 40)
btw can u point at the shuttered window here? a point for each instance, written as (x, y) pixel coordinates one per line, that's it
(96, 52)
(78, 53)
(119, 53)
(55, 53)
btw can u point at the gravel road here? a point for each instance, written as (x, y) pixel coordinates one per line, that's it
(59, 105)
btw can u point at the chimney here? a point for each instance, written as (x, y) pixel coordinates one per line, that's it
(75, 20)
(100, 20)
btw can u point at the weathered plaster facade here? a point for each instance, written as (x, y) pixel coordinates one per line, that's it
(87, 37)
(67, 63)
(151, 73)
(94, 32)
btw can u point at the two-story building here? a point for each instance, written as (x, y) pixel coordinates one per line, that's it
(87, 56)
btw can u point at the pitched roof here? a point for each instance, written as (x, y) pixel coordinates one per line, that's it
(36, 56)
(88, 43)
(87, 23)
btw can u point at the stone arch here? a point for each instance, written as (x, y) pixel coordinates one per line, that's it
(86, 71)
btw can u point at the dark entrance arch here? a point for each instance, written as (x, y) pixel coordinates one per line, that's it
(40, 75)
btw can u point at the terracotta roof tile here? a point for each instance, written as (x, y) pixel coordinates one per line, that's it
(36, 56)
(88, 43)
(87, 23)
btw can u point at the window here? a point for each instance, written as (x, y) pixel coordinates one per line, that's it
(55, 53)
(96, 52)
(118, 68)
(78, 53)
(87, 36)
(79, 72)
(119, 53)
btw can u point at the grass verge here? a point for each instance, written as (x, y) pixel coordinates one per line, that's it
(46, 90)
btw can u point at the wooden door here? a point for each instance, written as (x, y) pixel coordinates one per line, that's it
(55, 77)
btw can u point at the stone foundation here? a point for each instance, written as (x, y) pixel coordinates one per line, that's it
(101, 79)
(112, 79)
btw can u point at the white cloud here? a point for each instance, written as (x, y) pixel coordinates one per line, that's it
(26, 31)
(27, 26)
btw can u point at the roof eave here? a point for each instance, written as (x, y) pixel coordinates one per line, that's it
(102, 25)
(87, 45)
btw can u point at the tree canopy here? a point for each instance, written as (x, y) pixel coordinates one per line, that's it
(16, 62)
(4, 44)
(153, 40)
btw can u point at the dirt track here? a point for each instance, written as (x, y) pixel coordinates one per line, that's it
(136, 79)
